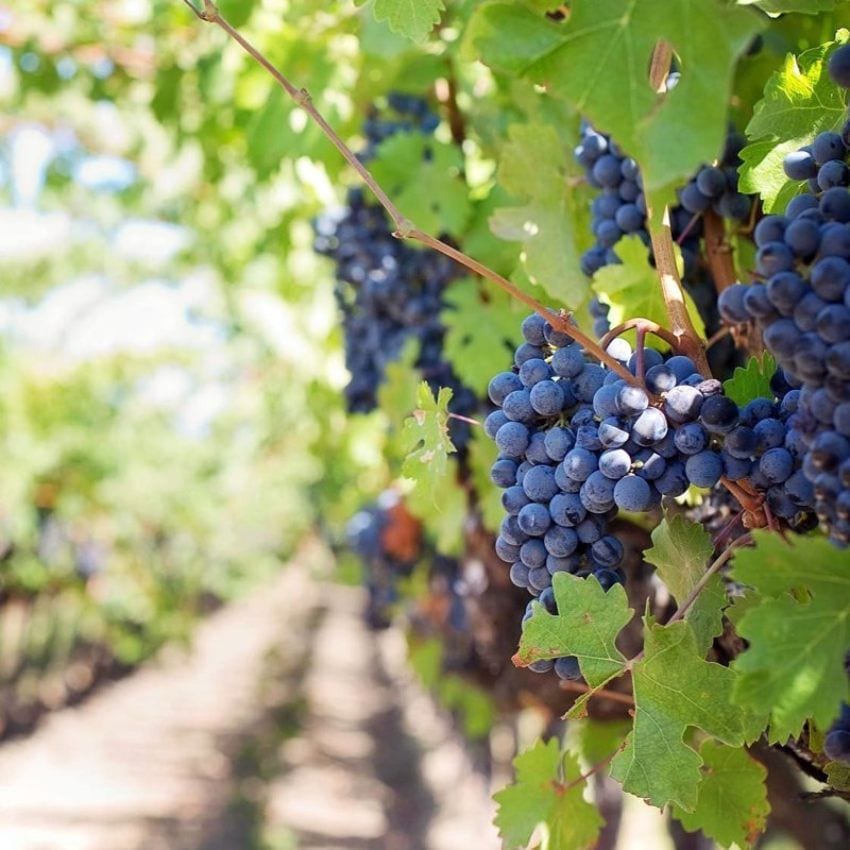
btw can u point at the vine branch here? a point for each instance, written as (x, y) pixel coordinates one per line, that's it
(645, 325)
(404, 228)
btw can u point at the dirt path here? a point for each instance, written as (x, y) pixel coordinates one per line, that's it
(250, 742)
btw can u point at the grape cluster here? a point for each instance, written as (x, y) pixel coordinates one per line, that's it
(367, 536)
(620, 209)
(577, 443)
(801, 305)
(389, 292)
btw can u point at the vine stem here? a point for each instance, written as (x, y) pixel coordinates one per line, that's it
(602, 693)
(643, 325)
(681, 326)
(404, 228)
(718, 251)
(562, 789)
(662, 241)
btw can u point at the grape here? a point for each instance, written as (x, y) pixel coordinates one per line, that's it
(534, 519)
(607, 551)
(776, 465)
(632, 493)
(838, 66)
(580, 463)
(493, 422)
(567, 668)
(560, 541)
(691, 438)
(534, 329)
(547, 398)
(566, 509)
(800, 165)
(539, 483)
(533, 553)
(502, 385)
(615, 463)
(828, 146)
(683, 403)
(530, 373)
(649, 427)
(719, 414)
(673, 481)
(704, 469)
(512, 439)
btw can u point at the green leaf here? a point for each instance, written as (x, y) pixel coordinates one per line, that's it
(751, 381)
(632, 289)
(798, 634)
(426, 437)
(805, 7)
(482, 454)
(411, 18)
(444, 517)
(236, 12)
(762, 174)
(598, 59)
(597, 739)
(838, 775)
(681, 551)
(588, 627)
(732, 805)
(482, 331)
(674, 689)
(408, 162)
(533, 167)
(800, 101)
(543, 795)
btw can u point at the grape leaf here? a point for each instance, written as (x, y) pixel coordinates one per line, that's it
(426, 437)
(805, 7)
(598, 59)
(674, 689)
(411, 18)
(732, 805)
(482, 454)
(443, 518)
(546, 793)
(407, 162)
(800, 101)
(591, 620)
(838, 775)
(761, 173)
(482, 330)
(533, 168)
(236, 12)
(597, 739)
(798, 634)
(633, 289)
(751, 381)
(681, 551)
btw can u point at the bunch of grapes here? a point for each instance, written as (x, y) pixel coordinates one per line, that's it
(620, 209)
(577, 443)
(389, 292)
(801, 305)
(388, 541)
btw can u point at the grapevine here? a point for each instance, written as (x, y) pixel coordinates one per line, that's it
(570, 301)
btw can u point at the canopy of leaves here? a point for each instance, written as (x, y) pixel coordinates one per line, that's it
(598, 61)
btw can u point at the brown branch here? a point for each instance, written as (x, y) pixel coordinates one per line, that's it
(718, 252)
(659, 66)
(404, 228)
(601, 693)
(674, 297)
(446, 90)
(587, 774)
(645, 325)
